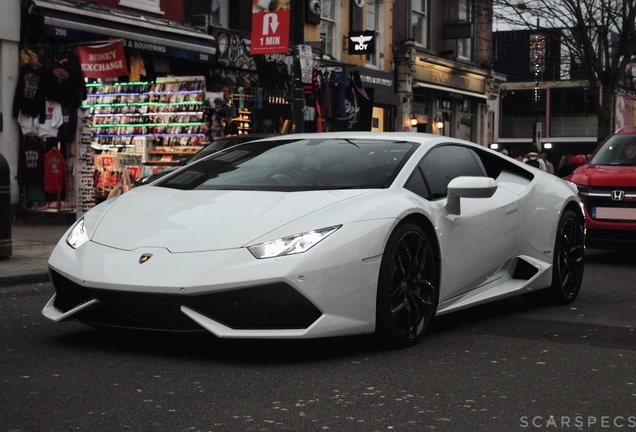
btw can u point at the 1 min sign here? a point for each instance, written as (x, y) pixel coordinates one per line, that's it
(270, 32)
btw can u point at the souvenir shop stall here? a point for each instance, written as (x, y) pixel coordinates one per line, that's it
(49, 90)
(138, 128)
(85, 140)
(249, 94)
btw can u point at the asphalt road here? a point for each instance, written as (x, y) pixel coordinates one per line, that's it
(503, 367)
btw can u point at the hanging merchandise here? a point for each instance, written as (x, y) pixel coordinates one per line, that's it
(68, 129)
(52, 121)
(325, 95)
(31, 162)
(55, 180)
(28, 125)
(358, 107)
(28, 57)
(122, 186)
(137, 67)
(63, 85)
(337, 85)
(30, 95)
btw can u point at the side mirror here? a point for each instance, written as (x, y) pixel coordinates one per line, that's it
(577, 161)
(468, 187)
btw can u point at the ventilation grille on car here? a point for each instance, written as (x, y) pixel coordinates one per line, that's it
(265, 307)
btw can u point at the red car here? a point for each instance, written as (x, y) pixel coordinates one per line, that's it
(607, 188)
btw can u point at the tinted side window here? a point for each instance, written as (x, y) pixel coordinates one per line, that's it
(442, 164)
(416, 184)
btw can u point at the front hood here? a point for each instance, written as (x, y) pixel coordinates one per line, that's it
(605, 175)
(194, 221)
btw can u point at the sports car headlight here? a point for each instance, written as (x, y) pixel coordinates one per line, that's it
(295, 244)
(77, 236)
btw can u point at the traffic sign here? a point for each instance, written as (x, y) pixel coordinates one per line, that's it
(270, 32)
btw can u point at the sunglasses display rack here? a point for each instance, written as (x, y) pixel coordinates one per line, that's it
(84, 185)
(165, 117)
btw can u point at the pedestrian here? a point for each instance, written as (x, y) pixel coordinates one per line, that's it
(565, 167)
(533, 159)
(548, 165)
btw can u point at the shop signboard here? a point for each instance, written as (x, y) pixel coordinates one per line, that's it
(201, 53)
(270, 32)
(361, 42)
(103, 61)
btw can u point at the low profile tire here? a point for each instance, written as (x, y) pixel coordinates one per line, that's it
(407, 287)
(569, 260)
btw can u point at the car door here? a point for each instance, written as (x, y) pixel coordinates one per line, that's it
(482, 239)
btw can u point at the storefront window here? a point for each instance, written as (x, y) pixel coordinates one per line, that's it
(572, 113)
(444, 114)
(328, 25)
(465, 121)
(419, 22)
(519, 112)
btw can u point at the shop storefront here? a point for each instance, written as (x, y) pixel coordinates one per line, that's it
(450, 101)
(89, 138)
(385, 100)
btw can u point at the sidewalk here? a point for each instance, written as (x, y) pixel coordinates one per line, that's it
(33, 242)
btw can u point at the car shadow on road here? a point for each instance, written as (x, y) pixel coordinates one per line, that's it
(206, 347)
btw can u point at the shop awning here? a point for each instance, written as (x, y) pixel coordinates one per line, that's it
(77, 22)
(449, 90)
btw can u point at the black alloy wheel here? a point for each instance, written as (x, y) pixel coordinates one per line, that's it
(569, 260)
(407, 287)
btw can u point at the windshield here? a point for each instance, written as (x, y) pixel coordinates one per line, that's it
(618, 150)
(220, 144)
(296, 165)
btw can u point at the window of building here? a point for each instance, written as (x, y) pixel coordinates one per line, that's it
(240, 15)
(144, 5)
(465, 131)
(373, 24)
(328, 25)
(465, 14)
(444, 114)
(419, 22)
(572, 113)
(519, 112)
(219, 14)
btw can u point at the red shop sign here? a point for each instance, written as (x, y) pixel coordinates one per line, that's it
(270, 32)
(104, 61)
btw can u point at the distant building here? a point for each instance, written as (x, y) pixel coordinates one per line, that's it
(562, 104)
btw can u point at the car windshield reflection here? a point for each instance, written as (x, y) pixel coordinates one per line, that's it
(297, 165)
(619, 150)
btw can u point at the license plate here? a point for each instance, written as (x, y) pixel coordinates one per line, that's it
(614, 213)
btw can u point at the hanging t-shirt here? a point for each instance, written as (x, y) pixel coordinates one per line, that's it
(358, 108)
(68, 129)
(30, 95)
(31, 162)
(28, 125)
(55, 180)
(52, 120)
(61, 85)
